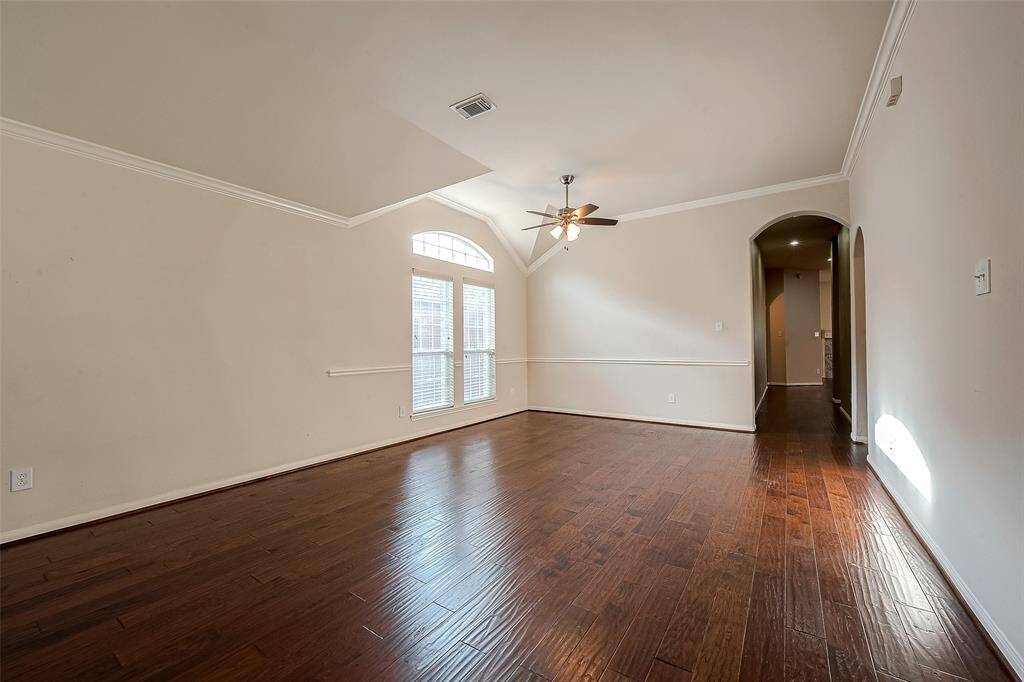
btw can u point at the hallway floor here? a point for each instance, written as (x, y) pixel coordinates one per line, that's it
(533, 546)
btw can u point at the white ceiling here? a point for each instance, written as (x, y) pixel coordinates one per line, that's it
(647, 103)
(813, 249)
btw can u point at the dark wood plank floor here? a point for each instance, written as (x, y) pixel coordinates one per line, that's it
(534, 546)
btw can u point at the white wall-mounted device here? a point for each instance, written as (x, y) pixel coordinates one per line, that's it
(983, 277)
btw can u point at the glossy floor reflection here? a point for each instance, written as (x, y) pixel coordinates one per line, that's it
(537, 545)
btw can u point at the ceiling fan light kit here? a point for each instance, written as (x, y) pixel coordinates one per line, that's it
(569, 221)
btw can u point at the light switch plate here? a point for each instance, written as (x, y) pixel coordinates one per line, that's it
(21, 479)
(983, 277)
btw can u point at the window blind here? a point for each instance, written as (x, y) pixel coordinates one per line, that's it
(478, 370)
(433, 372)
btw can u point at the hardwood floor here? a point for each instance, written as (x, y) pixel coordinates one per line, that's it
(537, 546)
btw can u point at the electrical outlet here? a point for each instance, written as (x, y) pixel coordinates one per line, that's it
(818, 371)
(401, 411)
(21, 479)
(719, 325)
(672, 398)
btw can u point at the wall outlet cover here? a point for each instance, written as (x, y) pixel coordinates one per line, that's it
(719, 325)
(21, 479)
(672, 398)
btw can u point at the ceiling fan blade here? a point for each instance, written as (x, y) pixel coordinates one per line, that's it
(585, 210)
(541, 225)
(546, 215)
(598, 221)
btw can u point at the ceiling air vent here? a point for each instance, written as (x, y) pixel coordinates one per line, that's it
(473, 106)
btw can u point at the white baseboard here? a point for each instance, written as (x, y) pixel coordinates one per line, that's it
(749, 428)
(796, 383)
(995, 633)
(135, 505)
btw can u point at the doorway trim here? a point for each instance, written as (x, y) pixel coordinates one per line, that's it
(858, 331)
(756, 400)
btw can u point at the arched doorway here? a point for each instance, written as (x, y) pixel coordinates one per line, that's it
(860, 353)
(811, 347)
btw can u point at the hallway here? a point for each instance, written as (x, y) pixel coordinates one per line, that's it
(533, 546)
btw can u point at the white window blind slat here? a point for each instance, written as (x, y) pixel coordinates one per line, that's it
(478, 371)
(433, 371)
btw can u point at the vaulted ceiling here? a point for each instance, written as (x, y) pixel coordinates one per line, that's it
(344, 106)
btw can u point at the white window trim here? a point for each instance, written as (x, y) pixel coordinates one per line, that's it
(482, 252)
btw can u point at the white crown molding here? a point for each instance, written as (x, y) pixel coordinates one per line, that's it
(455, 206)
(735, 196)
(91, 150)
(892, 39)
(701, 203)
(98, 152)
(642, 361)
(462, 208)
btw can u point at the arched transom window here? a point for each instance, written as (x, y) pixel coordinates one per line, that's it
(452, 248)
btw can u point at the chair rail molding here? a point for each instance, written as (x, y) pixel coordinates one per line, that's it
(642, 361)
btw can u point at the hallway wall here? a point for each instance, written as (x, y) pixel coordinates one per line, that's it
(652, 289)
(803, 319)
(936, 188)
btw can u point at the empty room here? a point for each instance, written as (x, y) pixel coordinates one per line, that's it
(499, 341)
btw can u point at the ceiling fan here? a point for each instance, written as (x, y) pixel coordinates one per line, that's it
(568, 220)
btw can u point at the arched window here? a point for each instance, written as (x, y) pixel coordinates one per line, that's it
(452, 248)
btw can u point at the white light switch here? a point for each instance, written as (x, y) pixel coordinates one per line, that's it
(719, 325)
(983, 277)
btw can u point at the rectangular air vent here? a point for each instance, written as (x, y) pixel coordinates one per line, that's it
(473, 106)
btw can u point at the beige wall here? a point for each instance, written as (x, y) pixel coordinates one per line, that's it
(825, 301)
(160, 339)
(653, 289)
(792, 318)
(775, 314)
(803, 348)
(937, 187)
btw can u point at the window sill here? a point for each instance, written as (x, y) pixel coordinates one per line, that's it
(451, 410)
